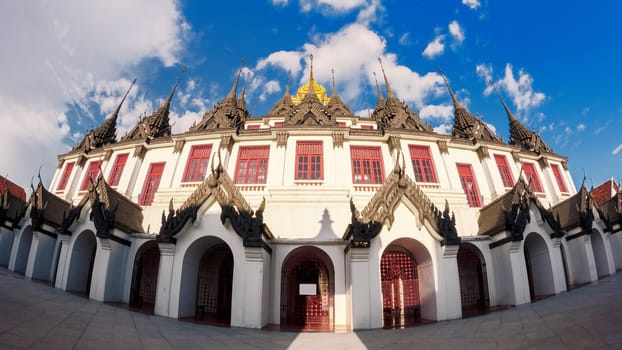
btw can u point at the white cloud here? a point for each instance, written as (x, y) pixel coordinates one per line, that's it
(434, 48)
(270, 87)
(287, 60)
(616, 150)
(519, 90)
(280, 2)
(472, 4)
(405, 39)
(580, 127)
(334, 5)
(443, 112)
(456, 32)
(443, 129)
(59, 53)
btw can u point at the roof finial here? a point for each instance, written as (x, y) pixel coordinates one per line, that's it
(244, 86)
(451, 93)
(116, 111)
(167, 103)
(507, 109)
(311, 70)
(234, 88)
(386, 81)
(380, 98)
(334, 92)
(289, 75)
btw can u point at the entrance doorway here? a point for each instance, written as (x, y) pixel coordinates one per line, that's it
(214, 286)
(82, 263)
(307, 290)
(145, 277)
(401, 304)
(539, 267)
(23, 251)
(473, 281)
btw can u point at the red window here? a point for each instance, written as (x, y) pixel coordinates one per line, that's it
(196, 167)
(558, 177)
(252, 165)
(422, 163)
(504, 170)
(253, 126)
(368, 127)
(341, 124)
(152, 182)
(532, 177)
(117, 169)
(366, 165)
(91, 175)
(309, 162)
(469, 185)
(278, 124)
(65, 178)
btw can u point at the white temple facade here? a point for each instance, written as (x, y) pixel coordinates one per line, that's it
(311, 217)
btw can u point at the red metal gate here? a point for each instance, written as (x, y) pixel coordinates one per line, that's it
(400, 288)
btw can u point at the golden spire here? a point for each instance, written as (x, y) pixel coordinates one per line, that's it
(386, 81)
(311, 87)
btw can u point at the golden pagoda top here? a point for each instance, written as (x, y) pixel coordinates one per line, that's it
(319, 90)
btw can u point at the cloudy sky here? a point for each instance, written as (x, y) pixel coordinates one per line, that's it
(65, 65)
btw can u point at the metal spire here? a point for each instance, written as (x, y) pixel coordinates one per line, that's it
(380, 98)
(334, 92)
(451, 92)
(386, 81)
(167, 102)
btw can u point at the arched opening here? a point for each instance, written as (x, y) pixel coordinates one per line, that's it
(81, 264)
(23, 250)
(145, 277)
(307, 290)
(6, 244)
(473, 281)
(600, 254)
(207, 282)
(539, 267)
(405, 300)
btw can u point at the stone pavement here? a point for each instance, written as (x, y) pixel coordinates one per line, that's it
(35, 315)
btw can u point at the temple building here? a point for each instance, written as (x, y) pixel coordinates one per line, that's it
(311, 217)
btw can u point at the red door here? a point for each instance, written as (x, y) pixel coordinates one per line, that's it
(400, 288)
(469, 185)
(152, 182)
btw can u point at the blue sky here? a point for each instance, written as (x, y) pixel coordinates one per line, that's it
(556, 64)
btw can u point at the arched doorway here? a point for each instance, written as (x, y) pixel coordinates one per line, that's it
(23, 250)
(405, 301)
(600, 254)
(307, 290)
(473, 281)
(81, 264)
(145, 277)
(539, 267)
(6, 244)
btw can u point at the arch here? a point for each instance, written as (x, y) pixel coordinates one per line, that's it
(600, 254)
(473, 280)
(207, 281)
(6, 245)
(82, 262)
(405, 263)
(23, 250)
(145, 277)
(539, 267)
(307, 290)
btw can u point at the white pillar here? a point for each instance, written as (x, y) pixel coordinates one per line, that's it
(32, 255)
(589, 253)
(448, 296)
(520, 279)
(165, 278)
(63, 264)
(100, 270)
(609, 251)
(559, 276)
(256, 288)
(360, 289)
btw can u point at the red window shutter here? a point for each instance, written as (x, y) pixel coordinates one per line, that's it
(91, 175)
(252, 167)
(117, 169)
(558, 177)
(367, 165)
(152, 182)
(469, 185)
(65, 177)
(278, 124)
(532, 177)
(253, 126)
(367, 127)
(504, 170)
(197, 165)
(309, 160)
(423, 165)
(341, 124)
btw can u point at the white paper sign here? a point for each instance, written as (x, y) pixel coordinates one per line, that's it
(307, 289)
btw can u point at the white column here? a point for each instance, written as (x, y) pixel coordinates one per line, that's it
(559, 276)
(609, 251)
(256, 295)
(360, 287)
(589, 253)
(448, 296)
(14, 249)
(520, 279)
(165, 277)
(63, 264)
(32, 255)
(100, 270)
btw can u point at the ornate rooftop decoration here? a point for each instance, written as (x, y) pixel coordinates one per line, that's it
(106, 133)
(577, 211)
(12, 202)
(248, 224)
(311, 87)
(46, 208)
(393, 113)
(336, 107)
(284, 107)
(521, 136)
(157, 124)
(380, 210)
(230, 113)
(466, 126)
